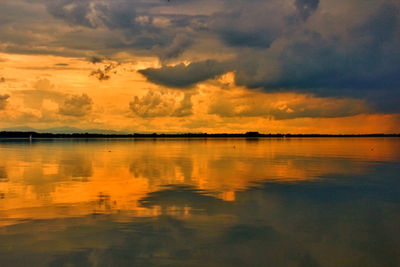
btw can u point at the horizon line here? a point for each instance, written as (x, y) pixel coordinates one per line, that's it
(31, 134)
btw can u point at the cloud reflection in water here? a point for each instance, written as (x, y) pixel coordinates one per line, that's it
(335, 208)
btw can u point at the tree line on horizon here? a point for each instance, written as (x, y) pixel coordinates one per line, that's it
(28, 135)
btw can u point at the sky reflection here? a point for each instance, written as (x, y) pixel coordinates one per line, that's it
(179, 202)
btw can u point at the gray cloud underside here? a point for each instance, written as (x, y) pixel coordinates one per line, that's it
(328, 48)
(182, 76)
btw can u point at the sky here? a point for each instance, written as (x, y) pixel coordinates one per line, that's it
(273, 66)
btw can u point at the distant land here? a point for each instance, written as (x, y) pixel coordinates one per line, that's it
(61, 130)
(33, 134)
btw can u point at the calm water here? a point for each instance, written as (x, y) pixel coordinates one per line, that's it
(213, 202)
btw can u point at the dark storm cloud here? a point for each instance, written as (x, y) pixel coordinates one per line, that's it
(82, 28)
(135, 30)
(366, 60)
(175, 49)
(250, 23)
(76, 106)
(302, 49)
(306, 7)
(359, 60)
(182, 76)
(94, 13)
(328, 48)
(72, 11)
(258, 24)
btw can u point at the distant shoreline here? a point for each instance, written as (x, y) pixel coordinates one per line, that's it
(28, 135)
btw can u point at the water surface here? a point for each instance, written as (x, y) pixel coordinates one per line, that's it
(197, 202)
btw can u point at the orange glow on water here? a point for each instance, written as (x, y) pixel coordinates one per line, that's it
(68, 179)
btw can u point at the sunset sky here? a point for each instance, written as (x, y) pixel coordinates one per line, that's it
(273, 66)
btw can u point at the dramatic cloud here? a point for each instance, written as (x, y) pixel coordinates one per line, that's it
(161, 104)
(253, 24)
(76, 106)
(176, 48)
(74, 12)
(302, 49)
(306, 7)
(181, 75)
(103, 74)
(357, 59)
(3, 101)
(340, 50)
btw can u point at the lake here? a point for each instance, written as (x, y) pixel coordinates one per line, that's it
(200, 202)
